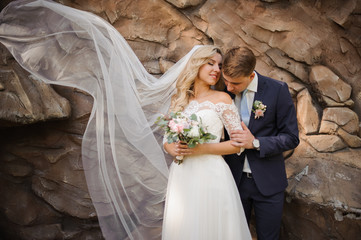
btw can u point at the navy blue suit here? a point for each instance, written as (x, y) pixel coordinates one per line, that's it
(277, 132)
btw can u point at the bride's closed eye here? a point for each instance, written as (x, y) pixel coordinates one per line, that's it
(212, 64)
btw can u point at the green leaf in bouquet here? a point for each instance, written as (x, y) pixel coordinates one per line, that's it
(192, 144)
(193, 117)
(186, 130)
(173, 115)
(162, 123)
(172, 138)
(175, 138)
(160, 118)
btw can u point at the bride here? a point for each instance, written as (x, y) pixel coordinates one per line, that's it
(202, 199)
(125, 167)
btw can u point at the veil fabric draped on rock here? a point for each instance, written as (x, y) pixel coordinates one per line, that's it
(125, 167)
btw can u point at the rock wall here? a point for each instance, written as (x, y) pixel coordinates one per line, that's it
(313, 45)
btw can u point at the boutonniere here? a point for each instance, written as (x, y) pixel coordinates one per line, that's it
(258, 108)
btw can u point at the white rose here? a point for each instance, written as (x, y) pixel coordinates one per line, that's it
(194, 132)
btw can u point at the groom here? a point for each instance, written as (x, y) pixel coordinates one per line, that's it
(269, 128)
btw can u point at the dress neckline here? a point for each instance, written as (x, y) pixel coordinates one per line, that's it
(207, 101)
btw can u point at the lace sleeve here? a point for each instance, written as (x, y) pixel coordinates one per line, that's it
(230, 117)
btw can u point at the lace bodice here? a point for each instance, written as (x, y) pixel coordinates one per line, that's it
(215, 116)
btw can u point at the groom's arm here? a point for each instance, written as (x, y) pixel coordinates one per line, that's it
(285, 122)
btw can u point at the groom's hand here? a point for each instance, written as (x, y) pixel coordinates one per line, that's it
(242, 138)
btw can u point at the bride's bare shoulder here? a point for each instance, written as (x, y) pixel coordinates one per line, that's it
(221, 97)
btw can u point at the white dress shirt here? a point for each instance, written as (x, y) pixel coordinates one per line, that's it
(252, 89)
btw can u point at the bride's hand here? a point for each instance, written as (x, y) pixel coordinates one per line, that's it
(178, 149)
(182, 149)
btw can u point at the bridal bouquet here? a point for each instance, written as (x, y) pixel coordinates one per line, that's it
(181, 128)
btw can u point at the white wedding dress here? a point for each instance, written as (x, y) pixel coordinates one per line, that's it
(202, 201)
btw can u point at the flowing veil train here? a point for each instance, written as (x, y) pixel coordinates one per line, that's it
(125, 167)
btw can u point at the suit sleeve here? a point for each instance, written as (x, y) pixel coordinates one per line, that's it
(286, 132)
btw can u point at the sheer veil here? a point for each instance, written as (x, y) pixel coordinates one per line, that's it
(125, 167)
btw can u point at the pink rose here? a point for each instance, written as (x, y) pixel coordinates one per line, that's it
(178, 128)
(258, 113)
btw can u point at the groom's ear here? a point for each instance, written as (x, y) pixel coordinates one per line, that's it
(252, 75)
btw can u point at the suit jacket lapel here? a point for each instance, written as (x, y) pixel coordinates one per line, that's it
(258, 96)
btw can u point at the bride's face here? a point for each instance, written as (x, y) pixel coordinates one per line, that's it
(211, 71)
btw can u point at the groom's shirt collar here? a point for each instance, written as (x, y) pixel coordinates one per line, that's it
(254, 83)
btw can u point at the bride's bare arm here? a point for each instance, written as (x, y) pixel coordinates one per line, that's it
(222, 148)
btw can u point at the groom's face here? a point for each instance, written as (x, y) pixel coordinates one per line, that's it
(237, 84)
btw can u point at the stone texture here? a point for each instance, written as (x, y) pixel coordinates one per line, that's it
(318, 220)
(185, 3)
(344, 117)
(164, 65)
(293, 85)
(64, 197)
(307, 114)
(331, 103)
(351, 140)
(298, 69)
(325, 143)
(325, 198)
(328, 127)
(340, 12)
(41, 180)
(27, 209)
(271, 1)
(42, 232)
(322, 78)
(25, 99)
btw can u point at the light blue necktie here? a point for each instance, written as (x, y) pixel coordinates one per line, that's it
(244, 108)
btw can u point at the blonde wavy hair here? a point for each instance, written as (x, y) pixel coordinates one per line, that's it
(186, 79)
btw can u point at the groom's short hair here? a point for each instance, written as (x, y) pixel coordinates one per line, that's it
(239, 62)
